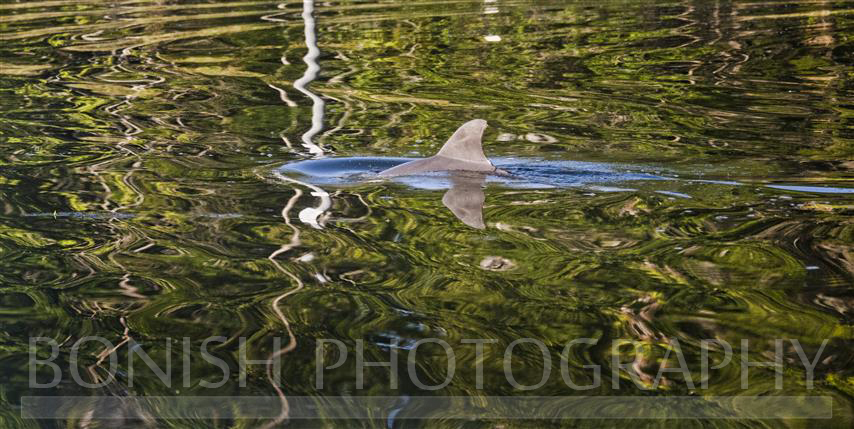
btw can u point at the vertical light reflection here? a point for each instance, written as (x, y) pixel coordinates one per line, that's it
(310, 74)
(310, 215)
(292, 341)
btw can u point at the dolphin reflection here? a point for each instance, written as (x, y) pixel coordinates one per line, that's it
(465, 198)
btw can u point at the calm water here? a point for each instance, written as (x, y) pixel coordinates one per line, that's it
(143, 196)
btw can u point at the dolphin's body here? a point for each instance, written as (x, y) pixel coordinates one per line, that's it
(461, 167)
(463, 154)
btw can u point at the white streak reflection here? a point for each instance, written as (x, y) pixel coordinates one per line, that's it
(292, 341)
(311, 215)
(283, 95)
(310, 74)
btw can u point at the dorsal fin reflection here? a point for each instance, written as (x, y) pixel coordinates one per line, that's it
(465, 197)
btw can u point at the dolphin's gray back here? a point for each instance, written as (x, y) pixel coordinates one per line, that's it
(436, 163)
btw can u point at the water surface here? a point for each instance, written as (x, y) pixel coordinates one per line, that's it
(143, 196)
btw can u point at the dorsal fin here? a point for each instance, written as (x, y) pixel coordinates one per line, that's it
(465, 144)
(462, 151)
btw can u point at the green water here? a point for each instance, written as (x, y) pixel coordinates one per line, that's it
(139, 142)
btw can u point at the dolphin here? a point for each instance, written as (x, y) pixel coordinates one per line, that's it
(462, 152)
(461, 157)
(466, 170)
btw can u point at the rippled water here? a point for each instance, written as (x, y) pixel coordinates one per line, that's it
(143, 196)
